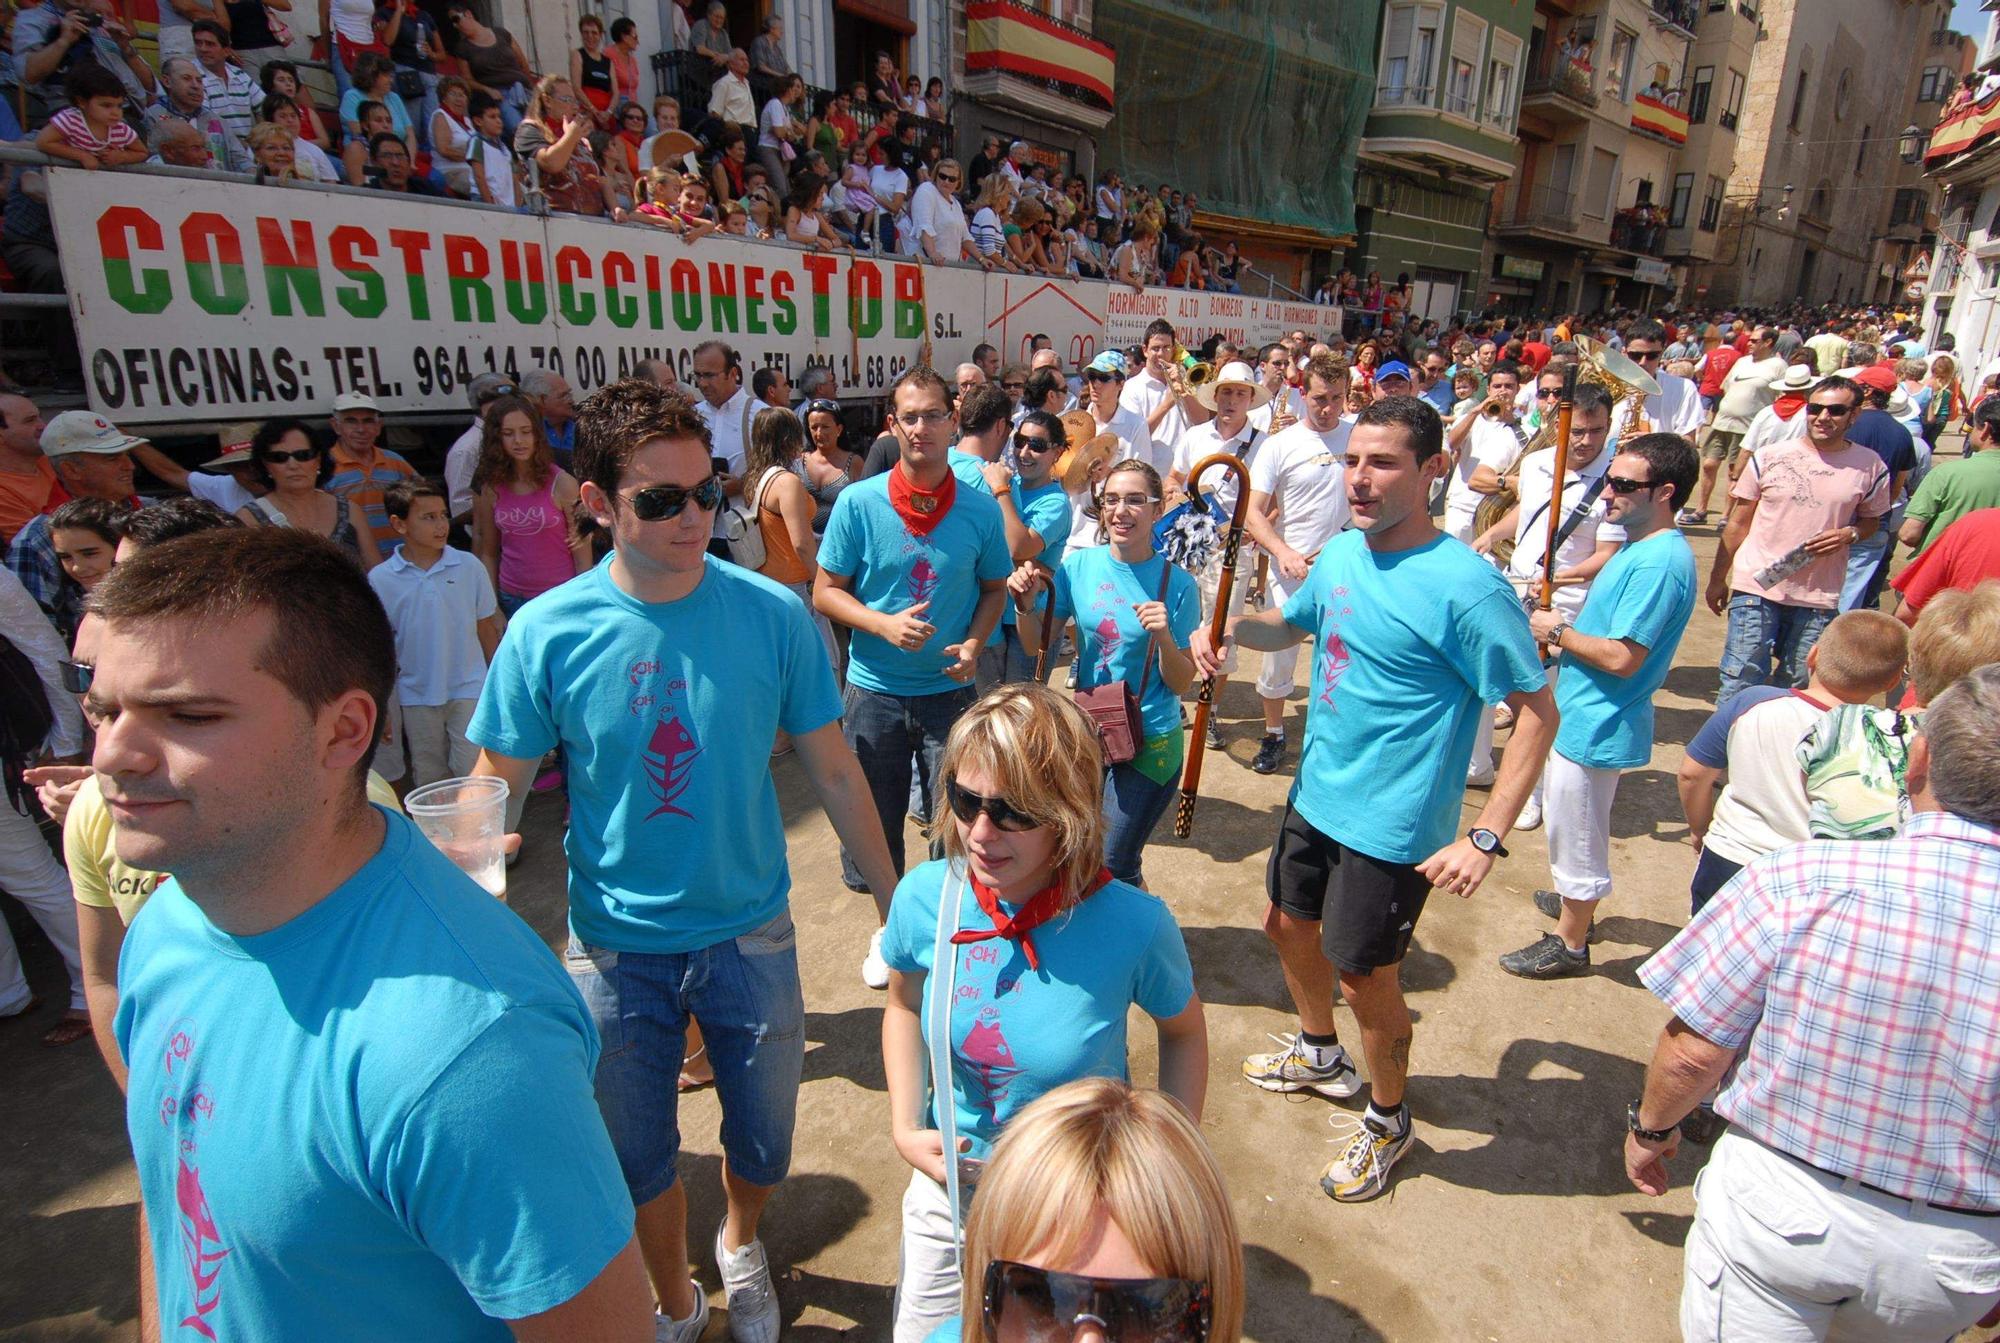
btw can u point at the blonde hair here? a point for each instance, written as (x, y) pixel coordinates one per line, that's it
(1862, 653)
(1958, 631)
(1041, 753)
(1101, 1149)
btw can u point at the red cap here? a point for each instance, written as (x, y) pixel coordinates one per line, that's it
(1877, 379)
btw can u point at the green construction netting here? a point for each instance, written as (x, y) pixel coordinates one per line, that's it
(1256, 106)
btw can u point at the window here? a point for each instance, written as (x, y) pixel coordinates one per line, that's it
(1601, 190)
(1843, 93)
(1704, 82)
(1732, 106)
(1468, 49)
(1799, 100)
(1908, 208)
(1409, 55)
(1677, 207)
(1624, 50)
(1711, 205)
(1937, 85)
(1502, 71)
(1861, 153)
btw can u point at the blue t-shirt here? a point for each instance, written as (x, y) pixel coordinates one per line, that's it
(1016, 1032)
(373, 1121)
(970, 470)
(666, 712)
(1409, 645)
(1044, 511)
(1880, 433)
(892, 569)
(1440, 395)
(1645, 594)
(1099, 591)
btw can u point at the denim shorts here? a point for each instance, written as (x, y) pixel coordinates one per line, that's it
(745, 994)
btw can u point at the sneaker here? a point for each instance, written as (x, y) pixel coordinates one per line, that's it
(1270, 754)
(1480, 778)
(1546, 958)
(683, 1331)
(1361, 1171)
(875, 970)
(1215, 742)
(1289, 1069)
(1551, 906)
(1531, 816)
(752, 1302)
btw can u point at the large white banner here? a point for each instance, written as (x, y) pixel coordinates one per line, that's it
(225, 300)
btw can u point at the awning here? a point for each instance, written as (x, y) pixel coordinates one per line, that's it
(889, 13)
(1008, 36)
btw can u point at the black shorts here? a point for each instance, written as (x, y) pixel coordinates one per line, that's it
(1366, 908)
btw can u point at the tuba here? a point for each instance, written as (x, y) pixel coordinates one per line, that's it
(1193, 371)
(1621, 377)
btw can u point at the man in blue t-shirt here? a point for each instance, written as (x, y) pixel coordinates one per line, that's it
(359, 1096)
(915, 562)
(1413, 633)
(665, 674)
(1613, 658)
(1875, 429)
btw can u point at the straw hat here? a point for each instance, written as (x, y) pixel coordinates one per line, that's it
(1236, 373)
(1798, 378)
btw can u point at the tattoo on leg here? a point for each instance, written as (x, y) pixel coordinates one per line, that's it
(1399, 1053)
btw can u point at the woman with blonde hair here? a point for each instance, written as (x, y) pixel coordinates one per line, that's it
(1102, 1204)
(1043, 955)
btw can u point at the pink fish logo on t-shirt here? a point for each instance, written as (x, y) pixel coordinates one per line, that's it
(1108, 641)
(202, 1250)
(1332, 666)
(989, 1058)
(669, 762)
(923, 580)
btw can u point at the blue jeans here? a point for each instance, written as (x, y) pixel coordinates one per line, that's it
(1864, 562)
(745, 993)
(1760, 628)
(1711, 873)
(1133, 805)
(892, 735)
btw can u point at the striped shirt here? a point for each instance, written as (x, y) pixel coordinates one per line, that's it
(1860, 983)
(368, 482)
(234, 97)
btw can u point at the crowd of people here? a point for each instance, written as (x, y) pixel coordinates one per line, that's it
(647, 599)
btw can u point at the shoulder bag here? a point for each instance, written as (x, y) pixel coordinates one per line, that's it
(1114, 709)
(940, 989)
(741, 527)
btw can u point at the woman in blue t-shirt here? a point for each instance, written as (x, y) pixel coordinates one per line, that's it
(1134, 614)
(1048, 954)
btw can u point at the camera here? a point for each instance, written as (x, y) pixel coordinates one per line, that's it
(94, 19)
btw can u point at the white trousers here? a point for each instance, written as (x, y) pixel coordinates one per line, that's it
(927, 1280)
(1782, 1253)
(1482, 748)
(1279, 676)
(1577, 809)
(1209, 581)
(30, 873)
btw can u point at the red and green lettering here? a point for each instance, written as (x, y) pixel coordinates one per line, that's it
(351, 247)
(466, 267)
(684, 290)
(722, 317)
(291, 266)
(753, 300)
(620, 307)
(655, 297)
(575, 303)
(122, 230)
(413, 244)
(526, 281)
(820, 270)
(784, 312)
(909, 282)
(214, 252)
(864, 299)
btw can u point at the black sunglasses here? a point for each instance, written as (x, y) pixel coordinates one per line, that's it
(1037, 1303)
(1816, 409)
(657, 503)
(967, 805)
(1095, 376)
(820, 405)
(1621, 485)
(77, 676)
(298, 455)
(1033, 442)
(1644, 354)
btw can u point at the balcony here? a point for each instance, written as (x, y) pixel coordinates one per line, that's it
(1560, 89)
(1412, 97)
(1679, 15)
(1018, 56)
(1541, 210)
(1641, 229)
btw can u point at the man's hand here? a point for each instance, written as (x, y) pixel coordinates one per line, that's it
(1646, 1163)
(999, 477)
(56, 786)
(75, 27)
(1292, 564)
(965, 666)
(1208, 654)
(1830, 541)
(1459, 867)
(1718, 593)
(907, 629)
(1542, 624)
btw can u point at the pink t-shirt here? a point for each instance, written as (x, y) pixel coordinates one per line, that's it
(77, 134)
(534, 540)
(1801, 492)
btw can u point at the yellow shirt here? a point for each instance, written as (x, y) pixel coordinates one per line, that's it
(97, 877)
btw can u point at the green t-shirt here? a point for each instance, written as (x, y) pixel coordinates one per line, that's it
(1954, 489)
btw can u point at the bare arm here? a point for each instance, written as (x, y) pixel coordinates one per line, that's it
(568, 498)
(1620, 657)
(161, 467)
(617, 1307)
(42, 61)
(843, 790)
(517, 772)
(795, 510)
(1184, 1057)
(1685, 1068)
(1587, 570)
(1697, 784)
(486, 536)
(1461, 866)
(903, 1067)
(100, 937)
(488, 630)
(1911, 533)
(1726, 546)
(1485, 480)
(364, 535)
(833, 597)
(1023, 541)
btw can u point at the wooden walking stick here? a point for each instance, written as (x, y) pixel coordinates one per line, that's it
(1565, 410)
(1205, 704)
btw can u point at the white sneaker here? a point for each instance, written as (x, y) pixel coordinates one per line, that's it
(1480, 778)
(875, 970)
(1531, 816)
(752, 1301)
(683, 1331)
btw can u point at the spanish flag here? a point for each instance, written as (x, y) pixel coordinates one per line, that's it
(1650, 114)
(1006, 35)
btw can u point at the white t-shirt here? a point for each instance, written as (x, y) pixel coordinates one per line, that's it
(1133, 440)
(1305, 473)
(460, 460)
(1531, 524)
(729, 432)
(1204, 440)
(436, 613)
(1767, 427)
(1763, 806)
(1083, 528)
(1746, 389)
(1676, 410)
(1260, 418)
(498, 166)
(885, 183)
(353, 20)
(1142, 395)
(451, 134)
(220, 490)
(1489, 442)
(988, 234)
(774, 115)
(316, 161)
(942, 217)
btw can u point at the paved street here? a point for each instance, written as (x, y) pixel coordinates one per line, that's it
(1511, 1220)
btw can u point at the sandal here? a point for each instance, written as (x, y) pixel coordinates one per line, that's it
(74, 1026)
(691, 1083)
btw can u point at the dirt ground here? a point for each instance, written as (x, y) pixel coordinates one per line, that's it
(1511, 1218)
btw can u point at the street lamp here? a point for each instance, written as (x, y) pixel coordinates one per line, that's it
(1912, 143)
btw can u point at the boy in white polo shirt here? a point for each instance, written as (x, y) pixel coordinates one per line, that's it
(442, 607)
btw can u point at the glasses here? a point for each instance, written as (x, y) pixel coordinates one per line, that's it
(1620, 485)
(917, 419)
(1837, 412)
(967, 806)
(300, 455)
(657, 503)
(494, 394)
(947, 177)
(1095, 376)
(1035, 1303)
(1548, 391)
(819, 405)
(1643, 354)
(1025, 442)
(1013, 386)
(77, 676)
(1132, 501)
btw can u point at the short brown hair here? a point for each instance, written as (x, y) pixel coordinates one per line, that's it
(924, 378)
(329, 632)
(1328, 369)
(1862, 653)
(1958, 631)
(622, 417)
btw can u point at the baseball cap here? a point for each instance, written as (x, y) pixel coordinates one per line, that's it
(1108, 361)
(1395, 368)
(487, 386)
(1877, 379)
(355, 401)
(82, 431)
(235, 439)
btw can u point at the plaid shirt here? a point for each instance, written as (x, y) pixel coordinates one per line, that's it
(1860, 982)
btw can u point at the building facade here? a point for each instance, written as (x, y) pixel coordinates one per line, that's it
(1440, 137)
(1901, 266)
(1962, 289)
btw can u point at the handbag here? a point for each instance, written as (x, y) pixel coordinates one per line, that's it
(742, 529)
(1113, 709)
(281, 31)
(409, 86)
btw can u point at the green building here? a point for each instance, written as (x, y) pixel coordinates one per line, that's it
(1439, 137)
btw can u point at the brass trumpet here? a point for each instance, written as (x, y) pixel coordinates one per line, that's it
(1193, 371)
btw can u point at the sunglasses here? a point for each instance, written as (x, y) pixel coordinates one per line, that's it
(1620, 485)
(299, 455)
(1035, 1303)
(967, 806)
(1836, 412)
(1013, 386)
(820, 405)
(1095, 376)
(77, 676)
(657, 503)
(1644, 354)
(1033, 443)
(1548, 391)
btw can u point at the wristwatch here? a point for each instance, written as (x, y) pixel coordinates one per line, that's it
(1486, 841)
(1640, 1131)
(1556, 634)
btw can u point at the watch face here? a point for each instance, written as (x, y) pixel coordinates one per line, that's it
(1484, 840)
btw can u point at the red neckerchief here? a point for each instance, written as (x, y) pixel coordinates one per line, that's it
(1789, 404)
(1042, 906)
(920, 509)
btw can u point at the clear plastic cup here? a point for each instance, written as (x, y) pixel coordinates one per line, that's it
(467, 820)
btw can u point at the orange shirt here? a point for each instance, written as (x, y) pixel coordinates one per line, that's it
(24, 495)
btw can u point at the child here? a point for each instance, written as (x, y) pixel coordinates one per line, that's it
(443, 610)
(523, 507)
(494, 168)
(85, 534)
(694, 212)
(91, 132)
(1753, 736)
(375, 120)
(661, 208)
(1465, 393)
(736, 220)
